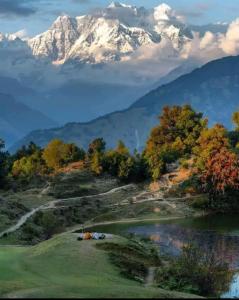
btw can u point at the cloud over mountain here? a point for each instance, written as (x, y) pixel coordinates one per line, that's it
(16, 8)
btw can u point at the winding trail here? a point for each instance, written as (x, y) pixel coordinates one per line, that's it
(52, 204)
(150, 277)
(140, 198)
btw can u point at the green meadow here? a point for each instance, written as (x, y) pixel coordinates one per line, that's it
(64, 267)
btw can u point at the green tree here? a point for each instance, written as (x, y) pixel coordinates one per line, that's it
(197, 271)
(2, 144)
(73, 153)
(25, 151)
(174, 137)
(97, 145)
(96, 163)
(29, 166)
(126, 168)
(5, 164)
(235, 119)
(120, 163)
(95, 156)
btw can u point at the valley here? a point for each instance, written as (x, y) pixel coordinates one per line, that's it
(206, 89)
(99, 201)
(95, 201)
(103, 205)
(82, 69)
(119, 149)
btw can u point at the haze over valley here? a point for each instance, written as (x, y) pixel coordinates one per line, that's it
(90, 65)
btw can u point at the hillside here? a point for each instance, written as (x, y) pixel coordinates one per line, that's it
(16, 119)
(207, 89)
(107, 58)
(48, 271)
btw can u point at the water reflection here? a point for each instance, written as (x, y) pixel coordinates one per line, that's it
(172, 237)
(219, 233)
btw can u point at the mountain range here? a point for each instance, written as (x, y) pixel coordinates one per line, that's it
(109, 35)
(88, 66)
(212, 89)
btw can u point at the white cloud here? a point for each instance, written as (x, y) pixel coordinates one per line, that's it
(230, 42)
(146, 65)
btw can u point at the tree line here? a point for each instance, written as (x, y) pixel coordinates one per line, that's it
(182, 134)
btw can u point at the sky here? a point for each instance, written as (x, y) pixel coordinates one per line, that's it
(32, 17)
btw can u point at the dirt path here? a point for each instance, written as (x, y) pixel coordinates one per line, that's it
(52, 205)
(142, 197)
(150, 277)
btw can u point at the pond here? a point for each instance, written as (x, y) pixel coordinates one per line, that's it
(218, 233)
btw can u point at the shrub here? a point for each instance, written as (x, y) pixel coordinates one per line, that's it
(196, 271)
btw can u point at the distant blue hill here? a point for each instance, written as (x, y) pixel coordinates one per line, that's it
(212, 89)
(17, 119)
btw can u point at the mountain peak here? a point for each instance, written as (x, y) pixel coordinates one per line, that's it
(108, 35)
(116, 4)
(63, 19)
(163, 12)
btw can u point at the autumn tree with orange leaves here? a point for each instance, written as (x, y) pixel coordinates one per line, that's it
(222, 172)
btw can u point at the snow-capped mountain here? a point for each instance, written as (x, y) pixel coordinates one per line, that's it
(110, 34)
(87, 66)
(117, 33)
(11, 40)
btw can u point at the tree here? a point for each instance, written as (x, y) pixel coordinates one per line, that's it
(2, 144)
(57, 154)
(221, 172)
(96, 163)
(122, 149)
(97, 145)
(73, 153)
(235, 119)
(116, 161)
(120, 163)
(29, 166)
(196, 270)
(95, 156)
(54, 154)
(126, 168)
(2, 162)
(5, 164)
(25, 151)
(210, 142)
(174, 137)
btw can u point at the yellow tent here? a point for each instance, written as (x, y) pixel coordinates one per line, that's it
(87, 236)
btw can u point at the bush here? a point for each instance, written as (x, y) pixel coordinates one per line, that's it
(201, 202)
(133, 258)
(195, 271)
(184, 163)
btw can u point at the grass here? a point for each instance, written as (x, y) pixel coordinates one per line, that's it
(64, 267)
(29, 198)
(134, 257)
(80, 183)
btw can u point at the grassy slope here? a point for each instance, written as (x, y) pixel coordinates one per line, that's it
(15, 204)
(65, 267)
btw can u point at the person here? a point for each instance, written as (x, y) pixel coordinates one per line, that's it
(98, 236)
